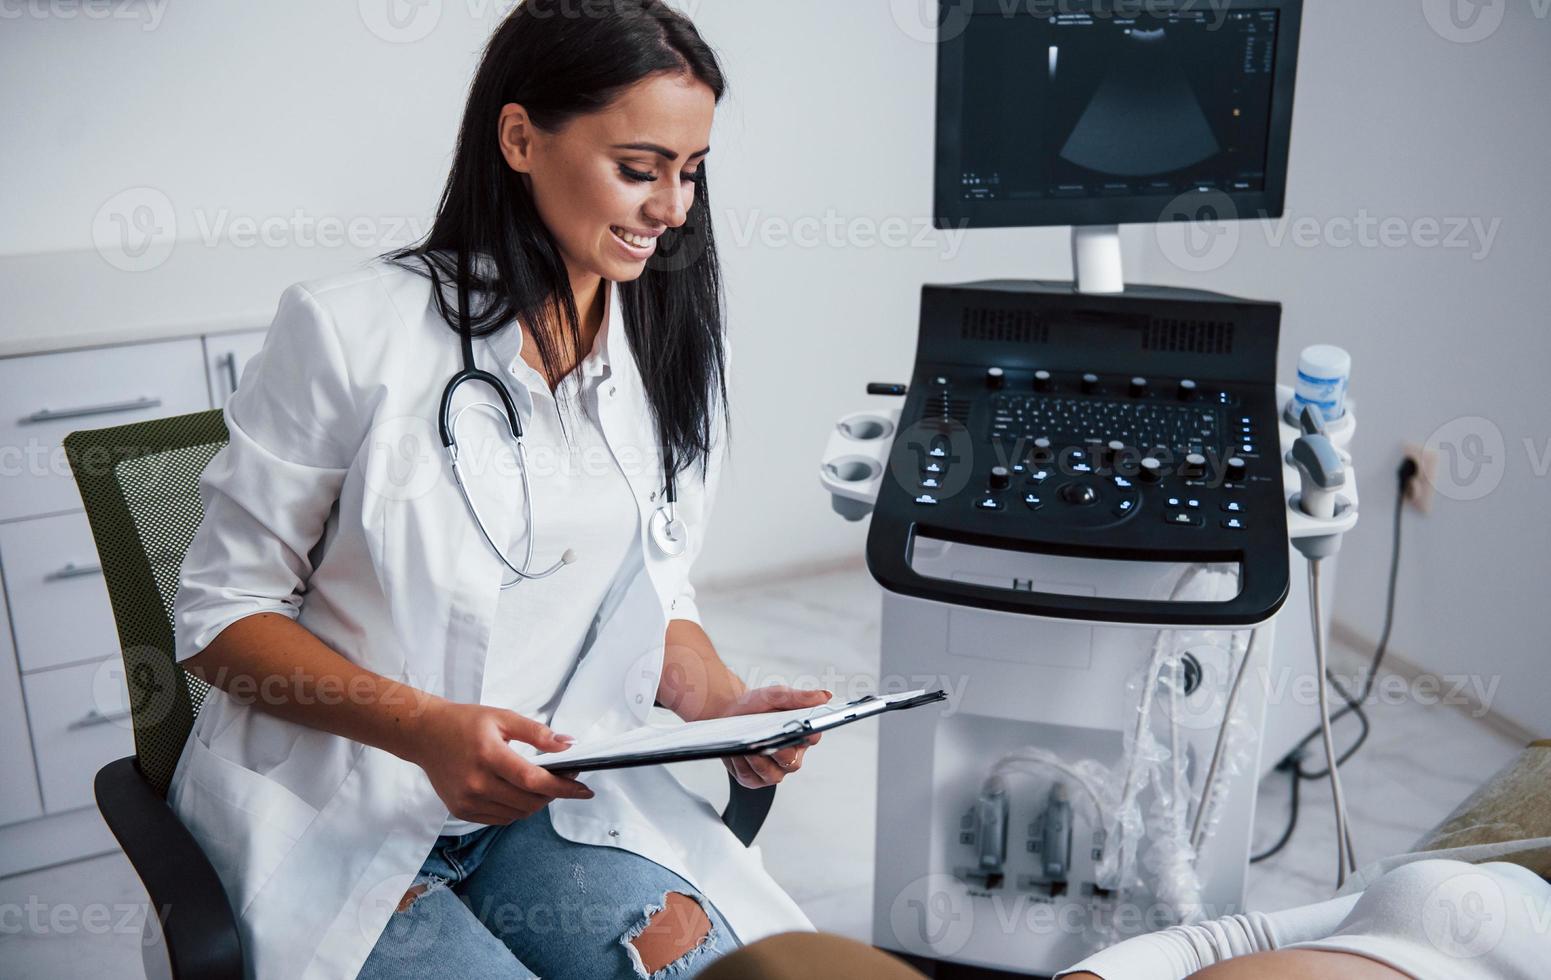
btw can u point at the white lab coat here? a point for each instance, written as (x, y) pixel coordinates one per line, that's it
(333, 504)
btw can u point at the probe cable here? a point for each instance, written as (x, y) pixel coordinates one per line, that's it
(1292, 763)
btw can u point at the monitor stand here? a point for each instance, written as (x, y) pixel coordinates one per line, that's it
(1096, 263)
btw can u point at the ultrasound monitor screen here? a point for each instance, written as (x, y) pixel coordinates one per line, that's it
(1077, 107)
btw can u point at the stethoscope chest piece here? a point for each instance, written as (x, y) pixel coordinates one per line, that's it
(669, 533)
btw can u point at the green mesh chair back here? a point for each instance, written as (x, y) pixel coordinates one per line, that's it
(140, 484)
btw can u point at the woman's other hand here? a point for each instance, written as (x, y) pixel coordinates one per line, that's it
(463, 749)
(757, 771)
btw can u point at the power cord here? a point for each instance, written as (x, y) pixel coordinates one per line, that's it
(1292, 763)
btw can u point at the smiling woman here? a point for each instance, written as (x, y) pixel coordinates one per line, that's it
(571, 171)
(609, 202)
(420, 836)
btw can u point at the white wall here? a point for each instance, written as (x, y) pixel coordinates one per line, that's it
(228, 108)
(235, 110)
(1396, 122)
(239, 109)
(830, 120)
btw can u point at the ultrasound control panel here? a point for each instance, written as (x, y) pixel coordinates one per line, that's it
(1140, 427)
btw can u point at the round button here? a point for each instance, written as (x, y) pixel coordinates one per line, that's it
(1187, 390)
(995, 378)
(1138, 387)
(1090, 383)
(1079, 494)
(1195, 466)
(1235, 470)
(1001, 478)
(1151, 469)
(1042, 380)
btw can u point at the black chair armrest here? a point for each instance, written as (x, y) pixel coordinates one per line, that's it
(197, 921)
(746, 809)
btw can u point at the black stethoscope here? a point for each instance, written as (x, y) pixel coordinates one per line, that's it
(667, 532)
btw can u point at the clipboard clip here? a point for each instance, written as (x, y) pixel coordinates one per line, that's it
(927, 698)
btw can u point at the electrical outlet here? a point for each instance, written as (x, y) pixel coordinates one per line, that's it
(1419, 493)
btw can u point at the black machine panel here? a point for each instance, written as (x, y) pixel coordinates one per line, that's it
(1140, 426)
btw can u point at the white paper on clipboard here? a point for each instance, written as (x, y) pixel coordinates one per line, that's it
(722, 736)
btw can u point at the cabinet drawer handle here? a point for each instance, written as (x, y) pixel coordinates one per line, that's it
(72, 570)
(52, 415)
(229, 365)
(94, 718)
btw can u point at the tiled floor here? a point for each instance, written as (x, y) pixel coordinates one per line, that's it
(818, 840)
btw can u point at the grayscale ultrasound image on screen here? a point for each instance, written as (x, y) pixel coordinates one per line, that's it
(1078, 106)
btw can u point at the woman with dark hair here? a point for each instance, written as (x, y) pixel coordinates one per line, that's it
(464, 487)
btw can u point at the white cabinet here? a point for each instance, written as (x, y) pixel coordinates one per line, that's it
(226, 357)
(20, 799)
(60, 613)
(64, 704)
(45, 397)
(80, 722)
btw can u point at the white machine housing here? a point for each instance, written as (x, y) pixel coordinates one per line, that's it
(1067, 688)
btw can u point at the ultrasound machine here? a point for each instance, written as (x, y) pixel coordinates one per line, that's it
(1095, 513)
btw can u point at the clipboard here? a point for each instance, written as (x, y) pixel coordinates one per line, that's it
(714, 738)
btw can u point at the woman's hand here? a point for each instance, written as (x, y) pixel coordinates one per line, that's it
(462, 747)
(756, 771)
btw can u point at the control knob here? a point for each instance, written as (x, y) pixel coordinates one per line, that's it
(1114, 452)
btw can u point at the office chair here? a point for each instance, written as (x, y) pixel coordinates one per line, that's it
(140, 485)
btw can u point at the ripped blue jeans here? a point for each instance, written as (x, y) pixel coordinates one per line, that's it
(521, 901)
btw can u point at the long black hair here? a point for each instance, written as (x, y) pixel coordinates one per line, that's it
(561, 60)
